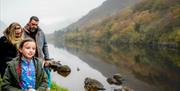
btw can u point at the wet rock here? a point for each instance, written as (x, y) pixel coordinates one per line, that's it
(125, 88)
(54, 65)
(92, 85)
(116, 79)
(111, 81)
(78, 69)
(118, 89)
(63, 70)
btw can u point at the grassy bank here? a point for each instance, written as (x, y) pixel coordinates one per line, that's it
(54, 87)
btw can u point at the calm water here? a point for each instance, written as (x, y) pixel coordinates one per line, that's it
(142, 69)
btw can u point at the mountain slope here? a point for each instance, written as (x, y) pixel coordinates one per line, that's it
(108, 8)
(150, 22)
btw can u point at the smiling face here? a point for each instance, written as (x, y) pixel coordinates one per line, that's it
(28, 50)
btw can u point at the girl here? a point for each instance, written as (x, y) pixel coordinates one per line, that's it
(25, 72)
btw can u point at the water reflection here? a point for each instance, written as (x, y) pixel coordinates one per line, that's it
(79, 71)
(144, 69)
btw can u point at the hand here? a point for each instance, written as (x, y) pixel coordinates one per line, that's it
(46, 63)
(47, 89)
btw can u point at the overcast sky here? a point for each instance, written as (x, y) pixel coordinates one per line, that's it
(49, 11)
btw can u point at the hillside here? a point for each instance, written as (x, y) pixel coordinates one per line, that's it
(150, 22)
(108, 8)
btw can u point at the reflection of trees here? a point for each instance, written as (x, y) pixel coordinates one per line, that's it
(157, 67)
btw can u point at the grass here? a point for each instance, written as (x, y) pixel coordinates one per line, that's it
(55, 87)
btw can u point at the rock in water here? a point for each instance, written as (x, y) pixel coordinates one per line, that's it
(54, 65)
(118, 89)
(64, 70)
(92, 85)
(125, 88)
(116, 79)
(78, 69)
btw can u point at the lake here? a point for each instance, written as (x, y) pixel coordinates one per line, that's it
(144, 69)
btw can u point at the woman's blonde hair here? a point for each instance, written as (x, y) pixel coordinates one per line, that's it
(9, 33)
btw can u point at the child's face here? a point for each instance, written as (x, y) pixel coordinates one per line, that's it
(28, 50)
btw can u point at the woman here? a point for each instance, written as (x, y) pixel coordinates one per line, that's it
(9, 44)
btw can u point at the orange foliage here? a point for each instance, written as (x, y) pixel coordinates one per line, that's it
(145, 17)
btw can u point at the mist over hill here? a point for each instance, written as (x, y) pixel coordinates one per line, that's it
(107, 9)
(154, 23)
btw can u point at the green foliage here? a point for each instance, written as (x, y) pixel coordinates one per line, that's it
(55, 87)
(137, 27)
(0, 83)
(150, 22)
(155, 5)
(144, 5)
(173, 36)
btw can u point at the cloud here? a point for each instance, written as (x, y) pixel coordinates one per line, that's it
(46, 8)
(49, 11)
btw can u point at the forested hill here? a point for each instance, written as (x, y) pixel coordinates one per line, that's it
(108, 8)
(151, 22)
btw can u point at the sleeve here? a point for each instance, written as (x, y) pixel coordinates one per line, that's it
(7, 82)
(1, 45)
(43, 82)
(45, 48)
(43, 86)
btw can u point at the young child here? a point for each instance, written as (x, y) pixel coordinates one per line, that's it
(25, 72)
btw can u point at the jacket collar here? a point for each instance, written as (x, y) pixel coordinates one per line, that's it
(27, 29)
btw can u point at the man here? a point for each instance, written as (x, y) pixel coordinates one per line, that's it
(32, 30)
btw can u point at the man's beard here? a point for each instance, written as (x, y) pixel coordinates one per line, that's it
(33, 30)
